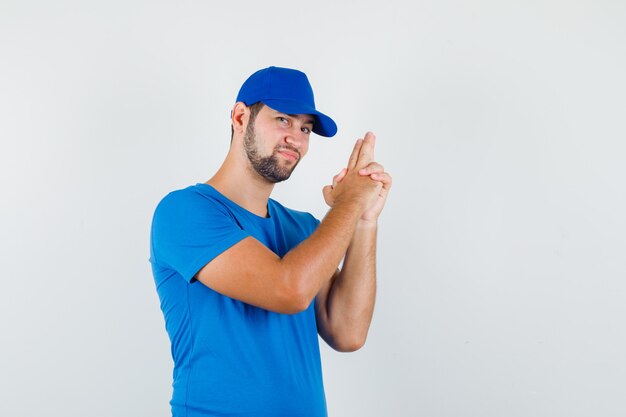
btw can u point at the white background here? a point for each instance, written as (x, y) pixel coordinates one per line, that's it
(501, 250)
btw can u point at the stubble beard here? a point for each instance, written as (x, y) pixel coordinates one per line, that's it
(268, 167)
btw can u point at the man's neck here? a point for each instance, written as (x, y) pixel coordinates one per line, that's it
(238, 181)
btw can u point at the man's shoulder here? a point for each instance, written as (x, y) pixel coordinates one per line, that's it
(185, 199)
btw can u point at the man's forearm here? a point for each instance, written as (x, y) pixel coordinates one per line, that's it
(315, 260)
(351, 299)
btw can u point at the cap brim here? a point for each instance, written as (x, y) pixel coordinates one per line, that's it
(324, 125)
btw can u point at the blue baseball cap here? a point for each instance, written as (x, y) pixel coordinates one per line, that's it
(287, 91)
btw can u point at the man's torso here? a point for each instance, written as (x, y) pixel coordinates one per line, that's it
(231, 357)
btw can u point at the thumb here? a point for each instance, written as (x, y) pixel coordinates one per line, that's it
(327, 192)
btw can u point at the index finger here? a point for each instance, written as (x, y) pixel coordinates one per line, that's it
(355, 154)
(366, 153)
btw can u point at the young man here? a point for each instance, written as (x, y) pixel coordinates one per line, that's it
(247, 284)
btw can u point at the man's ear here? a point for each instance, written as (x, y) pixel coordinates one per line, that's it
(239, 117)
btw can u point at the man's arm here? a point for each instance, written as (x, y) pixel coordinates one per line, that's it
(345, 305)
(250, 272)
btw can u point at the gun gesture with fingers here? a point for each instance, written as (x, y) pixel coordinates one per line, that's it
(361, 164)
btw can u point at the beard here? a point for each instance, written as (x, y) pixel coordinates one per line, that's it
(269, 167)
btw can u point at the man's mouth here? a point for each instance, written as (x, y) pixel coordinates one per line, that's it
(292, 155)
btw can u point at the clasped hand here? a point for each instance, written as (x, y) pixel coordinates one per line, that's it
(363, 180)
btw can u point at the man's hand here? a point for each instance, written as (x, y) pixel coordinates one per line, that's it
(351, 186)
(362, 162)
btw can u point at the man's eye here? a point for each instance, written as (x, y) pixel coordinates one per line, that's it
(282, 120)
(306, 130)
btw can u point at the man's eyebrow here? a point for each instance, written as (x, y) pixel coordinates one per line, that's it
(310, 120)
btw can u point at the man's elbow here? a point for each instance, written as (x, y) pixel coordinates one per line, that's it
(292, 307)
(293, 299)
(349, 344)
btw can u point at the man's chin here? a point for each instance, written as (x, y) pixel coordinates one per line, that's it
(274, 170)
(278, 178)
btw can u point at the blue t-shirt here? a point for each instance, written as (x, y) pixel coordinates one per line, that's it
(231, 358)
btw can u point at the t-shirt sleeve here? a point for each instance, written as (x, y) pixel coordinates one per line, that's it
(189, 230)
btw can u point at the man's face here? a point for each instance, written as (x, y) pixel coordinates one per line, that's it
(275, 142)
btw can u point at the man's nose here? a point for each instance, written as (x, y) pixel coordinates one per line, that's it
(296, 137)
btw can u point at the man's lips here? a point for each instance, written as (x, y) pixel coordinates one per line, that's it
(289, 154)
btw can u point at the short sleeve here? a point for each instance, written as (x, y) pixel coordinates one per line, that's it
(189, 230)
